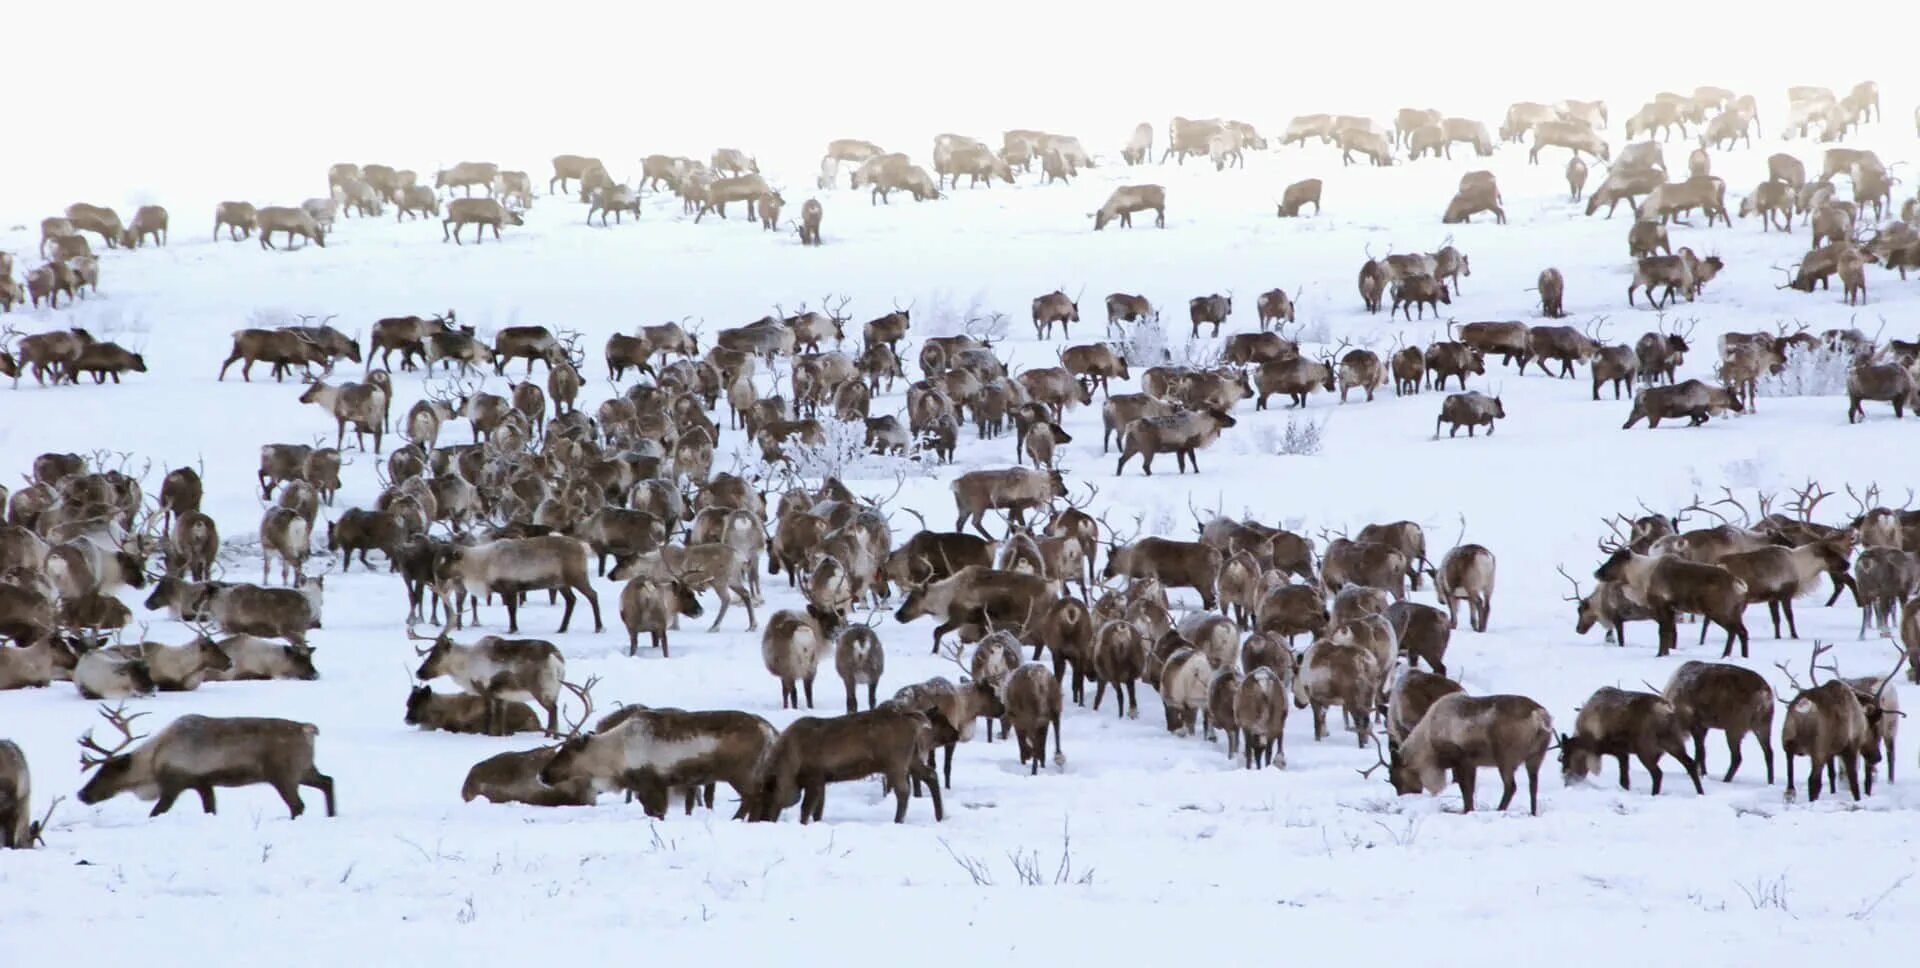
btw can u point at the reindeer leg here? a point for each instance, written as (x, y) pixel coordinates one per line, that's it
(1463, 776)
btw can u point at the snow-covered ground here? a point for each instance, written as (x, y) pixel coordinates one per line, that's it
(1213, 859)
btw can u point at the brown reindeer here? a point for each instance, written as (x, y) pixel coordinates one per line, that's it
(200, 753)
(1669, 586)
(892, 741)
(1619, 723)
(1461, 733)
(1828, 722)
(1184, 433)
(1129, 199)
(1730, 698)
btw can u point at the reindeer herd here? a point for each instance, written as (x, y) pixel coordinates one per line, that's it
(555, 493)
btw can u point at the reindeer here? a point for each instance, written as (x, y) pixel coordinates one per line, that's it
(1889, 382)
(1460, 733)
(1565, 344)
(975, 594)
(1337, 674)
(1297, 196)
(1422, 290)
(515, 565)
(1615, 722)
(1885, 578)
(1692, 399)
(200, 753)
(1182, 433)
(1129, 199)
(1731, 698)
(1212, 309)
(1831, 721)
(1051, 308)
(1471, 410)
(1466, 572)
(1175, 564)
(481, 213)
(810, 753)
(1661, 354)
(1668, 586)
(1472, 199)
(1412, 694)
(363, 405)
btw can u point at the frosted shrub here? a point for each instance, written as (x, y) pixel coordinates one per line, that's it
(1301, 437)
(1817, 371)
(843, 443)
(842, 453)
(941, 316)
(1145, 344)
(1313, 331)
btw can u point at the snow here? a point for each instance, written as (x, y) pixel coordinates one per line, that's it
(1162, 828)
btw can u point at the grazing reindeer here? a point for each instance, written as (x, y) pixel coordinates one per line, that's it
(1461, 733)
(1129, 199)
(1553, 288)
(1033, 706)
(1297, 196)
(1616, 722)
(1730, 698)
(200, 753)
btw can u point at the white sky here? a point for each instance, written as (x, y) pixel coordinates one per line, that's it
(188, 101)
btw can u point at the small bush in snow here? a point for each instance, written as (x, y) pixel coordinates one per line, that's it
(1314, 331)
(842, 453)
(1301, 437)
(941, 316)
(1145, 344)
(1816, 371)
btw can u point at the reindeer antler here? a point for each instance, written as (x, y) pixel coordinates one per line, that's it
(1745, 516)
(1806, 499)
(1576, 597)
(119, 719)
(584, 693)
(1382, 761)
(1813, 668)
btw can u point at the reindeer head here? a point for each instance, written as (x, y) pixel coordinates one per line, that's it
(112, 768)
